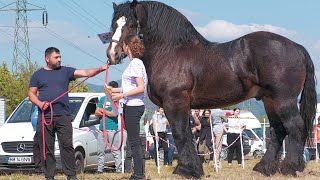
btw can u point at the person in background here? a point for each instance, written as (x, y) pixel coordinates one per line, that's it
(218, 130)
(235, 127)
(317, 136)
(205, 137)
(128, 160)
(113, 135)
(172, 146)
(159, 124)
(36, 145)
(195, 126)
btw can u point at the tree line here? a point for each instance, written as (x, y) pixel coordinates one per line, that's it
(14, 86)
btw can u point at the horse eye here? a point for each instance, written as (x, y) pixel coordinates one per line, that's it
(131, 26)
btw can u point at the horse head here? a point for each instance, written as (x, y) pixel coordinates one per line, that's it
(127, 20)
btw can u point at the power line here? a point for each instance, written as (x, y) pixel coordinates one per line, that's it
(73, 10)
(8, 34)
(19, 27)
(77, 47)
(89, 14)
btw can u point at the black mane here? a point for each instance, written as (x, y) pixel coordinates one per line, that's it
(165, 24)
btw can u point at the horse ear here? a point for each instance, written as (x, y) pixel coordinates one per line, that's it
(115, 6)
(141, 15)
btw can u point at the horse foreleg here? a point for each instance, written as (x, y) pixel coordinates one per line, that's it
(297, 134)
(189, 164)
(269, 163)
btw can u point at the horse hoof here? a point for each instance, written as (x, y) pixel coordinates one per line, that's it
(288, 169)
(265, 169)
(187, 172)
(292, 168)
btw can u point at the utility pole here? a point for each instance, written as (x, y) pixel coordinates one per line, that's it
(21, 36)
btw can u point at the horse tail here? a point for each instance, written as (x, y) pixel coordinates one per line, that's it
(308, 100)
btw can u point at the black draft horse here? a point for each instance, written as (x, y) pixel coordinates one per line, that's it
(186, 71)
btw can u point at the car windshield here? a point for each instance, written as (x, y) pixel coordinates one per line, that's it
(24, 111)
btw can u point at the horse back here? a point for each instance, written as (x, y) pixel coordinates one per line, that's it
(253, 66)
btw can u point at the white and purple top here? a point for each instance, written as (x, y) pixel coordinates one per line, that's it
(135, 69)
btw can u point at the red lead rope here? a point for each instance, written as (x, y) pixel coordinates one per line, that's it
(51, 114)
(105, 136)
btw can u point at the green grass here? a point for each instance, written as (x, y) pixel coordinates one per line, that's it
(227, 173)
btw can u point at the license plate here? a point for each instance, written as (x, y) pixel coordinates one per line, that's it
(19, 160)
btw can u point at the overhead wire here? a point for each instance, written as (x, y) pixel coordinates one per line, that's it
(89, 14)
(77, 47)
(8, 34)
(64, 40)
(73, 11)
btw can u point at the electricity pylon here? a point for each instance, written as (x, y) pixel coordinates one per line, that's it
(21, 36)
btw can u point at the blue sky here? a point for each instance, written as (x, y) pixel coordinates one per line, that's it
(76, 23)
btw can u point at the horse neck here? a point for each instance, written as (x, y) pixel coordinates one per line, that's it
(168, 27)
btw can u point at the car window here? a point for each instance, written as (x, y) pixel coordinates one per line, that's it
(75, 104)
(90, 110)
(24, 111)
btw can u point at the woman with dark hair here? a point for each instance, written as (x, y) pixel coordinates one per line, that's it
(205, 137)
(233, 136)
(134, 80)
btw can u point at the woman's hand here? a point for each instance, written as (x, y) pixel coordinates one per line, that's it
(116, 96)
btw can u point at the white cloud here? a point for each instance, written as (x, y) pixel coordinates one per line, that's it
(190, 14)
(220, 30)
(62, 31)
(56, 31)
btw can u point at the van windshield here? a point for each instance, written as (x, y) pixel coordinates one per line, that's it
(259, 132)
(24, 111)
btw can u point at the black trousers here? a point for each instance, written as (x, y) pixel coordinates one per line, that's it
(236, 146)
(162, 143)
(132, 116)
(37, 153)
(128, 160)
(63, 127)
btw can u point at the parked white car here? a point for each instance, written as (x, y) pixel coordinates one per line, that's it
(16, 135)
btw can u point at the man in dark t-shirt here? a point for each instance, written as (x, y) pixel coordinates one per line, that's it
(52, 81)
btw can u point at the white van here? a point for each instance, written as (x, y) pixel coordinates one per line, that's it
(16, 135)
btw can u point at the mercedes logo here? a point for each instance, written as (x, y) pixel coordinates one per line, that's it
(20, 147)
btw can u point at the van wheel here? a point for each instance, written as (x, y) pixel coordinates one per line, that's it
(79, 162)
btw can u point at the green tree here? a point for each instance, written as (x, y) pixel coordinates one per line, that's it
(81, 88)
(14, 86)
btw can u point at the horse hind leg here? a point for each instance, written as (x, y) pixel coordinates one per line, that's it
(269, 163)
(297, 135)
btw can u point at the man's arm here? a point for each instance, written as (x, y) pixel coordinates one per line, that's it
(154, 127)
(99, 113)
(78, 73)
(34, 98)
